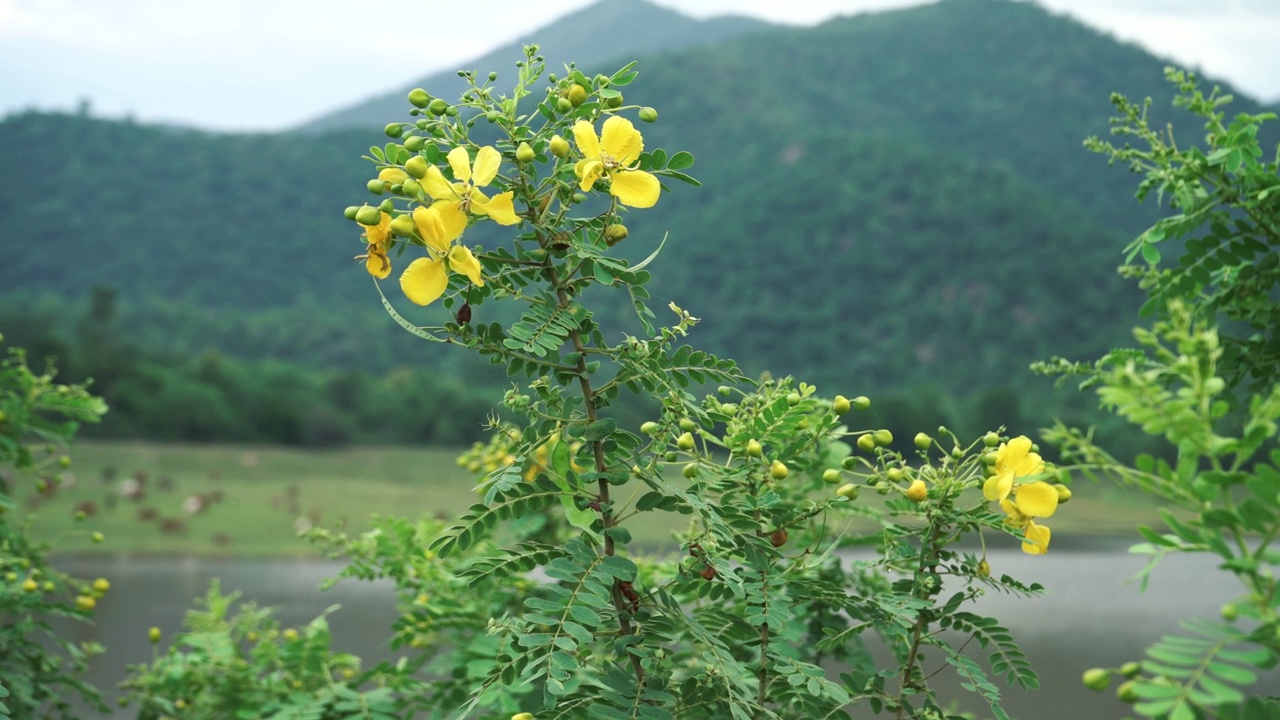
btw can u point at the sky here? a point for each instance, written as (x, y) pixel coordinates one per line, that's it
(272, 64)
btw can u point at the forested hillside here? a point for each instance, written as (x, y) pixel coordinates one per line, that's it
(890, 201)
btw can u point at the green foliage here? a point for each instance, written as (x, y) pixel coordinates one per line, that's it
(245, 666)
(1212, 393)
(39, 669)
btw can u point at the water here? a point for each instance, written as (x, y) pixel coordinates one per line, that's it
(1091, 614)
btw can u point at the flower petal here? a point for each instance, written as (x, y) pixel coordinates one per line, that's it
(584, 134)
(461, 164)
(393, 175)
(635, 188)
(378, 234)
(455, 221)
(1029, 465)
(424, 280)
(377, 264)
(486, 168)
(436, 185)
(588, 171)
(1011, 454)
(1037, 499)
(431, 227)
(461, 260)
(501, 208)
(1015, 518)
(998, 487)
(1037, 542)
(621, 141)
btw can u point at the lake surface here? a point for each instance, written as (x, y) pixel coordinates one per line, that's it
(1091, 614)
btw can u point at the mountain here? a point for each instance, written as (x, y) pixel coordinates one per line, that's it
(891, 201)
(609, 30)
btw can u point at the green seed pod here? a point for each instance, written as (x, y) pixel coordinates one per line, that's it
(778, 470)
(648, 114)
(841, 405)
(438, 107)
(559, 147)
(831, 476)
(848, 490)
(368, 216)
(923, 441)
(685, 441)
(883, 438)
(419, 97)
(564, 106)
(524, 153)
(1131, 669)
(754, 448)
(350, 212)
(394, 130)
(376, 186)
(403, 225)
(866, 443)
(577, 95)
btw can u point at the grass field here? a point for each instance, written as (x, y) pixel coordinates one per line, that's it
(265, 490)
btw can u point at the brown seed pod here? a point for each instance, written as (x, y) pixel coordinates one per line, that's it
(708, 573)
(778, 537)
(464, 313)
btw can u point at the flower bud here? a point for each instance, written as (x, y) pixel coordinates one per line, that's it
(778, 470)
(414, 143)
(1064, 494)
(368, 216)
(648, 114)
(438, 107)
(101, 585)
(154, 635)
(848, 490)
(831, 476)
(685, 441)
(464, 314)
(290, 634)
(690, 470)
(563, 105)
(394, 130)
(1230, 612)
(923, 441)
(984, 568)
(754, 448)
(97, 538)
(376, 186)
(30, 585)
(86, 602)
(1128, 691)
(612, 102)
(392, 175)
(411, 188)
(577, 95)
(522, 716)
(793, 399)
(917, 492)
(991, 439)
(841, 405)
(419, 97)
(687, 425)
(615, 234)
(1131, 669)
(896, 475)
(416, 166)
(524, 153)
(883, 438)
(559, 147)
(866, 443)
(1096, 678)
(403, 225)
(48, 586)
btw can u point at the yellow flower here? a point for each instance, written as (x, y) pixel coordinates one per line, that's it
(1014, 459)
(379, 239)
(456, 201)
(611, 157)
(427, 278)
(1022, 503)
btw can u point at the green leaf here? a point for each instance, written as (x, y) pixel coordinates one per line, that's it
(1150, 254)
(680, 161)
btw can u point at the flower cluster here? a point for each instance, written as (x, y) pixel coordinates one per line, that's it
(1023, 501)
(450, 204)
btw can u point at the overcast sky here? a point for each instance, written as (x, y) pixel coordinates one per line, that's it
(271, 64)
